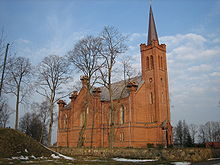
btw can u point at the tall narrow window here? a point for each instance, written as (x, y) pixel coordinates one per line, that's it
(162, 97)
(122, 138)
(151, 62)
(110, 116)
(65, 121)
(122, 115)
(151, 98)
(148, 63)
(87, 110)
(162, 82)
(161, 60)
(82, 118)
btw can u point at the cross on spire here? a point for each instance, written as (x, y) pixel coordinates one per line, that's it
(152, 32)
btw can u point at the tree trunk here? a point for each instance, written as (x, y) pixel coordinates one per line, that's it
(81, 138)
(93, 124)
(112, 130)
(50, 125)
(52, 97)
(17, 106)
(41, 134)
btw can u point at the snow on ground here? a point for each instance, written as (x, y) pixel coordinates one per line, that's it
(55, 156)
(58, 156)
(133, 160)
(181, 163)
(214, 159)
(65, 157)
(21, 157)
(33, 157)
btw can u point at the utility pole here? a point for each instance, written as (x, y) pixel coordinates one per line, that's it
(3, 71)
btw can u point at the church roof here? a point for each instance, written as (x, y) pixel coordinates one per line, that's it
(119, 89)
(152, 32)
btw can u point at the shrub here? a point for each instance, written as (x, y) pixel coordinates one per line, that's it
(160, 146)
(150, 145)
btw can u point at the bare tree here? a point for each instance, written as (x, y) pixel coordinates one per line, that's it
(5, 113)
(202, 134)
(30, 124)
(18, 81)
(209, 132)
(193, 129)
(53, 72)
(86, 58)
(42, 110)
(216, 131)
(128, 70)
(113, 44)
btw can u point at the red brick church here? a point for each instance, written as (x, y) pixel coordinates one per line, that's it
(141, 106)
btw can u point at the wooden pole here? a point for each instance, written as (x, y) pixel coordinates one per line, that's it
(3, 72)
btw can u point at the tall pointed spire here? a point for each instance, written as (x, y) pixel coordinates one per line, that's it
(152, 32)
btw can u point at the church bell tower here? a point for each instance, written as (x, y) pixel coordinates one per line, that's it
(154, 74)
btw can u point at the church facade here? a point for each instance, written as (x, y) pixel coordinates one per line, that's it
(141, 106)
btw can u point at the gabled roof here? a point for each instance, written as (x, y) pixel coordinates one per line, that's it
(119, 89)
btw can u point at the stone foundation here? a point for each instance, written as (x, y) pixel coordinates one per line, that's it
(170, 154)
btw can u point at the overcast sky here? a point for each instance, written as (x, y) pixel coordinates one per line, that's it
(189, 28)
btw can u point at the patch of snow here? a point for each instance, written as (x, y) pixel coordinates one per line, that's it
(55, 156)
(214, 159)
(24, 157)
(58, 154)
(181, 163)
(26, 150)
(133, 160)
(21, 157)
(65, 157)
(33, 157)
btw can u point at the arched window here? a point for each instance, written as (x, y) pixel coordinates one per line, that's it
(151, 98)
(148, 63)
(122, 115)
(151, 62)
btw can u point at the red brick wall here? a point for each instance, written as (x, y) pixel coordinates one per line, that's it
(146, 110)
